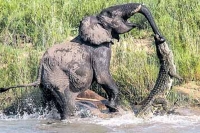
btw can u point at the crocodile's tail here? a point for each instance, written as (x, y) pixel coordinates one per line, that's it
(36, 83)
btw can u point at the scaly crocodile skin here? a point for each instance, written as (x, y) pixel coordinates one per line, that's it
(164, 81)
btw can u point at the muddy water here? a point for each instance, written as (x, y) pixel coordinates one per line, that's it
(187, 122)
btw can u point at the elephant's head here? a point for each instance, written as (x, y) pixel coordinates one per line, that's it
(113, 21)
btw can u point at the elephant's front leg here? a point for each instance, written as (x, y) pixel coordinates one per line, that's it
(101, 64)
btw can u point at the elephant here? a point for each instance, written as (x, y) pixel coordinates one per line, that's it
(69, 68)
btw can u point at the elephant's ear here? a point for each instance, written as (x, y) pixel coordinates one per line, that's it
(91, 31)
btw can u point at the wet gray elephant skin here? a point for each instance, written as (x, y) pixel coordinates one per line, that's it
(71, 67)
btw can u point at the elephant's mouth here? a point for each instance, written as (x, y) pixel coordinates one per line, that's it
(128, 22)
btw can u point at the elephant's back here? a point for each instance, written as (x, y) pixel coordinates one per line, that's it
(68, 52)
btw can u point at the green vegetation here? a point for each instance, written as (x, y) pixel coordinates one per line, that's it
(48, 22)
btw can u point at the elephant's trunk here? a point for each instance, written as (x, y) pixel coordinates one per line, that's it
(132, 8)
(145, 11)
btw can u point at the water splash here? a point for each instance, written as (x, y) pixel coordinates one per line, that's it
(125, 119)
(40, 114)
(126, 122)
(130, 119)
(176, 120)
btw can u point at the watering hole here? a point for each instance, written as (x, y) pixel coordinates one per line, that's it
(187, 122)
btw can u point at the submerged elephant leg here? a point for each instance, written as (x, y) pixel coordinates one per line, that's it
(101, 64)
(46, 99)
(60, 103)
(70, 101)
(58, 85)
(64, 102)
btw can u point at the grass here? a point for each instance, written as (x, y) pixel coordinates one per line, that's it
(51, 21)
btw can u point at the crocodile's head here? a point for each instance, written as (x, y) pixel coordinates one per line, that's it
(149, 111)
(145, 114)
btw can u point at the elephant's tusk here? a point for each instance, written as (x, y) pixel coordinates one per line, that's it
(137, 9)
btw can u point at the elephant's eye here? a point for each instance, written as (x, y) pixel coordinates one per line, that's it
(125, 18)
(109, 14)
(106, 13)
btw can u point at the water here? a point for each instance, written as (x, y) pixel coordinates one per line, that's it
(187, 122)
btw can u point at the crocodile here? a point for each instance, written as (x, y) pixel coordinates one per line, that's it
(163, 83)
